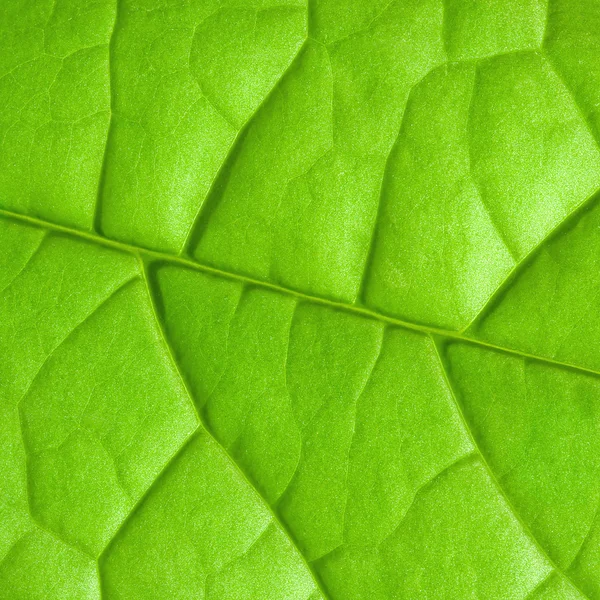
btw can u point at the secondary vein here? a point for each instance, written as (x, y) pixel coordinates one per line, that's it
(208, 432)
(492, 475)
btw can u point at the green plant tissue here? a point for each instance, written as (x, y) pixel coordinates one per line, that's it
(299, 300)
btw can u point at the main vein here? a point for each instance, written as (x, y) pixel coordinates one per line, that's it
(157, 256)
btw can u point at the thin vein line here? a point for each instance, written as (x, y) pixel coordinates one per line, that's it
(99, 577)
(291, 408)
(155, 256)
(517, 268)
(76, 545)
(367, 268)
(209, 433)
(194, 230)
(75, 328)
(540, 586)
(142, 498)
(475, 180)
(96, 215)
(585, 116)
(545, 55)
(366, 271)
(31, 257)
(355, 413)
(491, 473)
(470, 456)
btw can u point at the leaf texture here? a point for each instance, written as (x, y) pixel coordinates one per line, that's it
(299, 301)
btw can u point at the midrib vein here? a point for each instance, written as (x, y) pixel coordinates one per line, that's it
(171, 355)
(157, 256)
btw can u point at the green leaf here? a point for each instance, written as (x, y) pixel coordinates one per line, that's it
(299, 302)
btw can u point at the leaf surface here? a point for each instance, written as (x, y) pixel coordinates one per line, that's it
(299, 302)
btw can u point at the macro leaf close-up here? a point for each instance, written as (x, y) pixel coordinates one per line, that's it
(299, 299)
